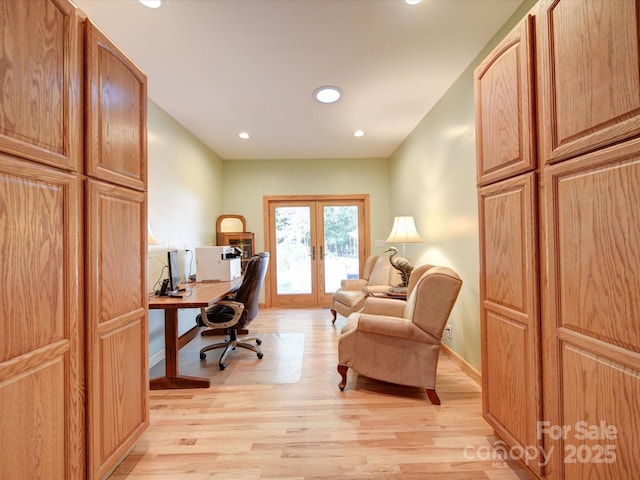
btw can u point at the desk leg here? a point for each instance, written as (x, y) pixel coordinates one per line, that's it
(171, 378)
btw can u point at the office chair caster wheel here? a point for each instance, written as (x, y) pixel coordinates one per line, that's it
(222, 366)
(203, 356)
(260, 355)
(258, 341)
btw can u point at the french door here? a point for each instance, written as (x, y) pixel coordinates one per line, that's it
(315, 242)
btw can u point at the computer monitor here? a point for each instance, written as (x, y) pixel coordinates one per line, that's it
(174, 271)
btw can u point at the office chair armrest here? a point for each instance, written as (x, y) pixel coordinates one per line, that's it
(237, 308)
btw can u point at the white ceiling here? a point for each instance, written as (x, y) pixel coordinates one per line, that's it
(220, 67)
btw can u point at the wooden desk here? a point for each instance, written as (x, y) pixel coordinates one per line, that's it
(197, 295)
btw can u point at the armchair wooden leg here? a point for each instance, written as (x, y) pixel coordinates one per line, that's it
(433, 396)
(333, 312)
(342, 370)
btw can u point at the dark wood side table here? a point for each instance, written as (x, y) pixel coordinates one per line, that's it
(399, 296)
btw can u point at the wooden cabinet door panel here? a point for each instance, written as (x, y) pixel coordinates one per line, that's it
(123, 411)
(510, 331)
(591, 331)
(34, 430)
(589, 75)
(507, 395)
(504, 102)
(599, 392)
(40, 366)
(117, 358)
(593, 233)
(116, 114)
(508, 244)
(40, 114)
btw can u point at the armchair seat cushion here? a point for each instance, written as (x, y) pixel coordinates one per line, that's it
(347, 301)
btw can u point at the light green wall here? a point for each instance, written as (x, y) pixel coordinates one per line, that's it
(185, 183)
(185, 198)
(437, 164)
(246, 182)
(433, 178)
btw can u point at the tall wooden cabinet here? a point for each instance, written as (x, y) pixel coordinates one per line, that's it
(508, 218)
(560, 268)
(589, 90)
(116, 221)
(73, 373)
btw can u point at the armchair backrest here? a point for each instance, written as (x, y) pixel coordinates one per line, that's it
(382, 273)
(432, 297)
(249, 292)
(416, 274)
(368, 266)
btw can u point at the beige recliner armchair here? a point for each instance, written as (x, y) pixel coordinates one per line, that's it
(378, 276)
(397, 341)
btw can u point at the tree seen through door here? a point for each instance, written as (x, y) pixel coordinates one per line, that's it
(296, 250)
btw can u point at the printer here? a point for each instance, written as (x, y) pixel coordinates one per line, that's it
(218, 264)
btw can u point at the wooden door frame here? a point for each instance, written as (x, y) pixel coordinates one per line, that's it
(365, 248)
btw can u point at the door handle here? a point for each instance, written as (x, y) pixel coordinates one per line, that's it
(321, 252)
(313, 253)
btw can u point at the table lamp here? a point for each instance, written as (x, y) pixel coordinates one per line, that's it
(403, 231)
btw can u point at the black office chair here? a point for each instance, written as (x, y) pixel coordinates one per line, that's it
(236, 312)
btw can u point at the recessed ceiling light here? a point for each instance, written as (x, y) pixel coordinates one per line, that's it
(412, 2)
(151, 3)
(327, 94)
(244, 135)
(358, 133)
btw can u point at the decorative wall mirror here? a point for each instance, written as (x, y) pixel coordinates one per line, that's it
(231, 223)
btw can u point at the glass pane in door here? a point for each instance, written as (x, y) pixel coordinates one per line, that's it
(293, 253)
(340, 245)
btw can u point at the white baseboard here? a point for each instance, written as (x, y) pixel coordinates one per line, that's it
(156, 358)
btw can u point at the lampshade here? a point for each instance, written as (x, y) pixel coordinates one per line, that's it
(404, 231)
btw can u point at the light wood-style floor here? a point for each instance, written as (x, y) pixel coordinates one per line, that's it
(312, 430)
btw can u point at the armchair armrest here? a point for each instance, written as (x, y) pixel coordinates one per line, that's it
(378, 288)
(390, 307)
(393, 327)
(353, 284)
